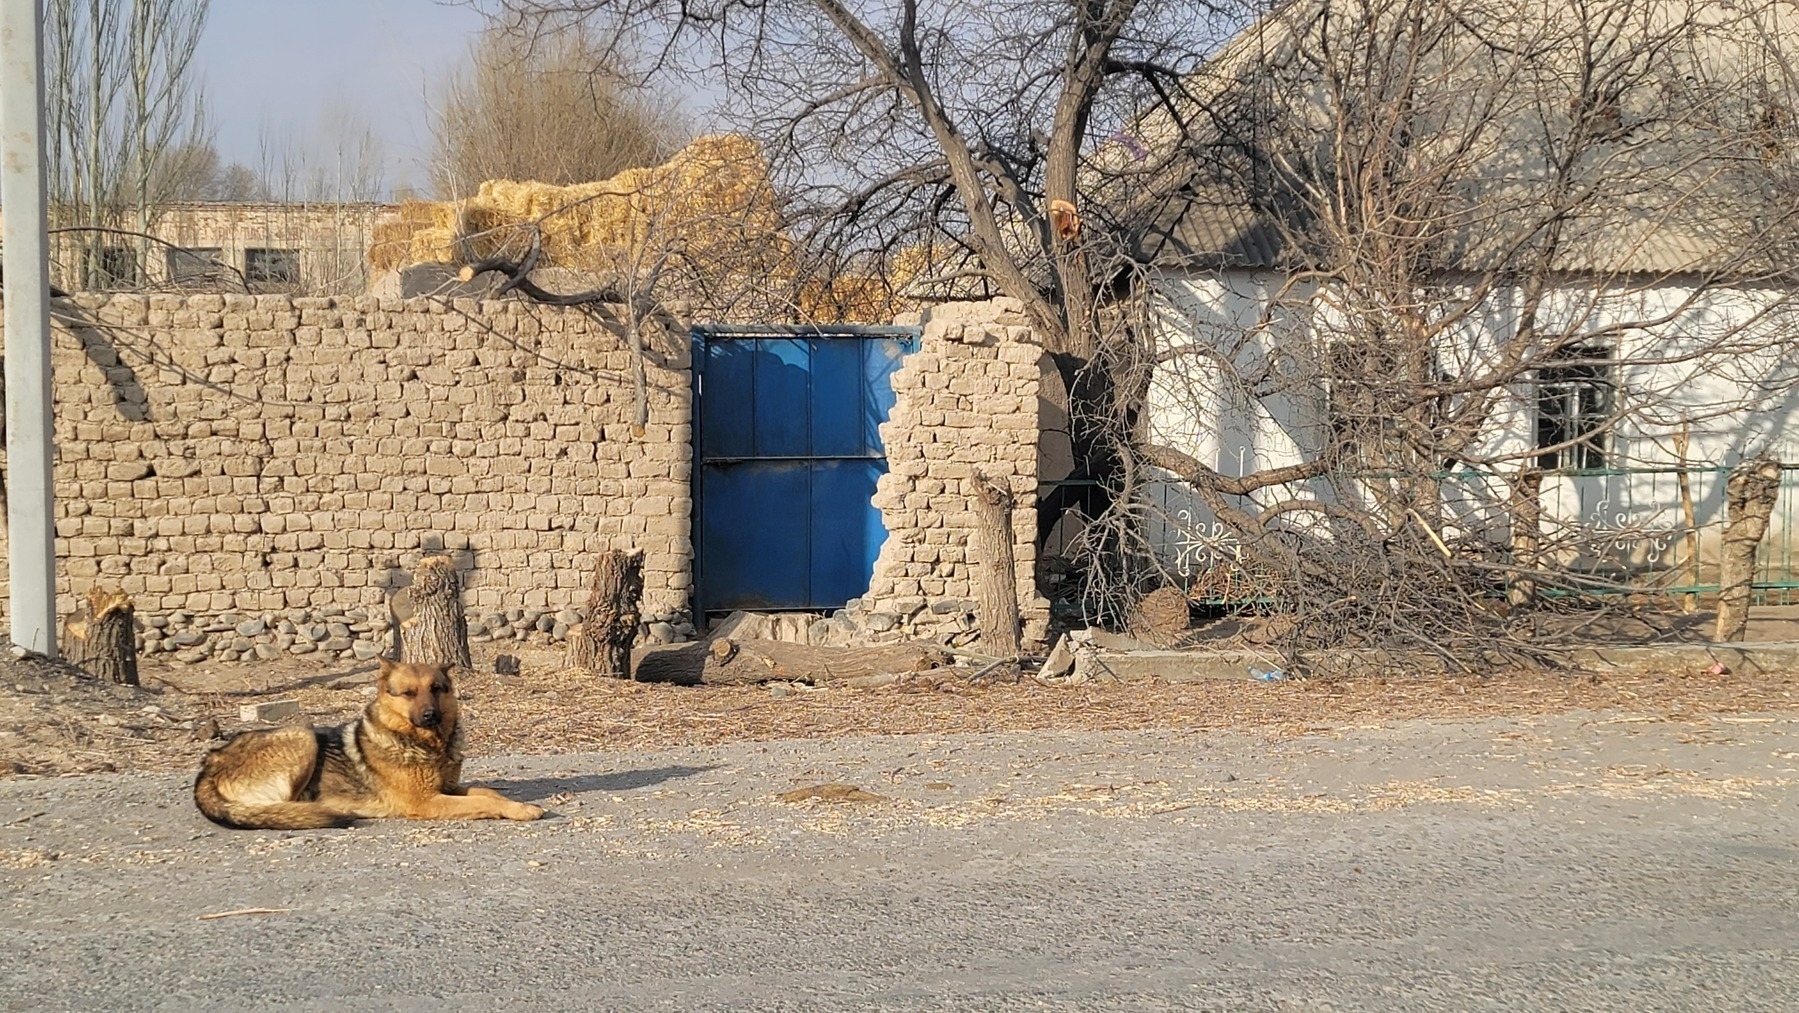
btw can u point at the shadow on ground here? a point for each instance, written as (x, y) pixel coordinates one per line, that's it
(534, 788)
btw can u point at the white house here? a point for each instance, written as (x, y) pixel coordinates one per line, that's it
(1575, 223)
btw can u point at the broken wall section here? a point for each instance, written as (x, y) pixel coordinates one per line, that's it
(966, 404)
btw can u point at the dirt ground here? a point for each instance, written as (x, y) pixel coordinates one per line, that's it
(53, 720)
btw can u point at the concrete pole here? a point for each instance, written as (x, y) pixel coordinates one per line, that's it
(31, 533)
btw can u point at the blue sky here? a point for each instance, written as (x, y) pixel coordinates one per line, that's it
(288, 66)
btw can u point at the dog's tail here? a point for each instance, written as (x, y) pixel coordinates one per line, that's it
(255, 814)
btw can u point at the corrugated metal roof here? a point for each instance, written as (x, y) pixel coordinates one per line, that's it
(1679, 192)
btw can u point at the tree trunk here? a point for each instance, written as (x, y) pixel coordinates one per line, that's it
(101, 639)
(1527, 537)
(1750, 493)
(602, 643)
(996, 573)
(437, 632)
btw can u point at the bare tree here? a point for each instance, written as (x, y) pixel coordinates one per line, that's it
(550, 110)
(124, 112)
(1444, 256)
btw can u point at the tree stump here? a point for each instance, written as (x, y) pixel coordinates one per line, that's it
(437, 631)
(996, 573)
(602, 644)
(101, 638)
(1749, 493)
(1527, 537)
(1161, 617)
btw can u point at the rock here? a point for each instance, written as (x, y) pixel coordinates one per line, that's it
(285, 640)
(365, 651)
(1060, 661)
(950, 606)
(568, 617)
(19, 652)
(268, 652)
(227, 655)
(157, 622)
(685, 631)
(559, 631)
(545, 624)
(252, 628)
(108, 720)
(303, 647)
(317, 633)
(331, 610)
(192, 657)
(505, 664)
(337, 631)
(287, 627)
(188, 638)
(880, 622)
(241, 645)
(268, 710)
(337, 645)
(663, 633)
(477, 628)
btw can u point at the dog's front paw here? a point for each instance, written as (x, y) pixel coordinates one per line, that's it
(525, 811)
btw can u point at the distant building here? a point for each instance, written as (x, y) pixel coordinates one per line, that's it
(304, 249)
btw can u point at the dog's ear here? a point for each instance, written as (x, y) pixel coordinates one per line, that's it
(386, 669)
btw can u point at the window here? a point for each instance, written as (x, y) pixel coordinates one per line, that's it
(1574, 407)
(199, 265)
(114, 267)
(271, 266)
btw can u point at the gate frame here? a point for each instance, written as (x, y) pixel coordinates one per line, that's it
(699, 336)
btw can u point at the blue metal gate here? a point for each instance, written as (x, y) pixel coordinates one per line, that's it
(787, 449)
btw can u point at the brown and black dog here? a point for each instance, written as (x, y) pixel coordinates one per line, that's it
(401, 758)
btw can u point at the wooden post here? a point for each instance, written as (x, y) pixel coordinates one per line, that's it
(101, 638)
(1750, 492)
(1527, 537)
(437, 631)
(996, 574)
(602, 644)
(1689, 602)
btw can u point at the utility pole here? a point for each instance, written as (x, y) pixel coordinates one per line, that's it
(30, 446)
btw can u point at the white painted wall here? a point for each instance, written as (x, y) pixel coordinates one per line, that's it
(1720, 363)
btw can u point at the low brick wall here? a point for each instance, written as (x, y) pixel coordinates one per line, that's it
(967, 403)
(274, 458)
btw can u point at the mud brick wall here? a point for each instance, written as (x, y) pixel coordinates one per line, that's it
(966, 403)
(266, 456)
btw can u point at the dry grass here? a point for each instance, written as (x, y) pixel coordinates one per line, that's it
(58, 724)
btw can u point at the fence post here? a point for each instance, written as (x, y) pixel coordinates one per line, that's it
(1750, 493)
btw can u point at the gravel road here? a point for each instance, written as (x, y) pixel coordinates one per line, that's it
(1577, 861)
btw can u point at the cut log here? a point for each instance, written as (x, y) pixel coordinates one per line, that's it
(602, 644)
(996, 571)
(1749, 493)
(757, 661)
(437, 631)
(101, 637)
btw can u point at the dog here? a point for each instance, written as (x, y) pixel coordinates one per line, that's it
(401, 758)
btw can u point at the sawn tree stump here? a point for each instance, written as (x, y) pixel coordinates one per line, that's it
(1750, 493)
(101, 638)
(437, 631)
(996, 570)
(602, 644)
